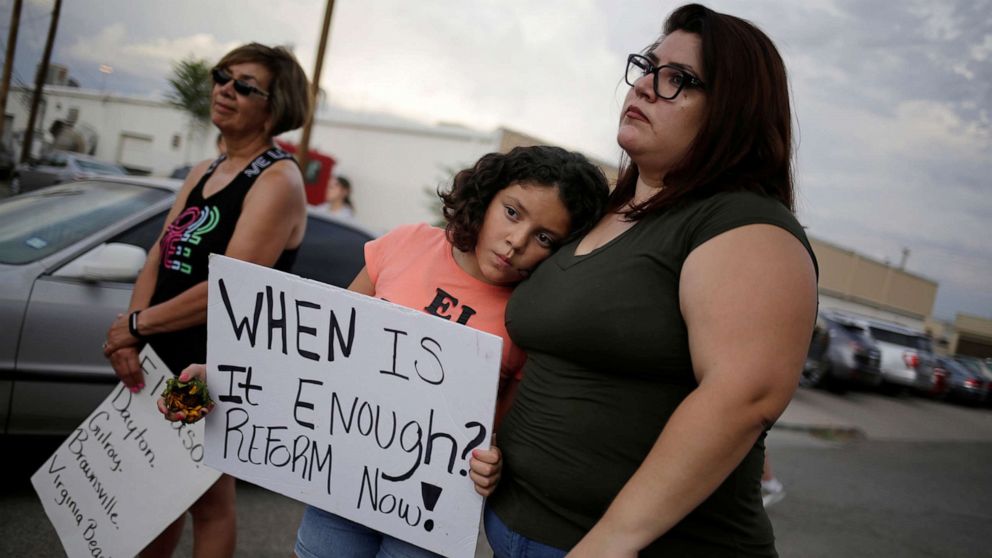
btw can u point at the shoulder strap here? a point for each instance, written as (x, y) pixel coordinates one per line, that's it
(265, 160)
(213, 165)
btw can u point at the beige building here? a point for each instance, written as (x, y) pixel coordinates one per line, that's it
(972, 335)
(854, 282)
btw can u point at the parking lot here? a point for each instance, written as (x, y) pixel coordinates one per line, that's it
(878, 417)
(865, 475)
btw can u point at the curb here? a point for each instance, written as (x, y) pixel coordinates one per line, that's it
(831, 433)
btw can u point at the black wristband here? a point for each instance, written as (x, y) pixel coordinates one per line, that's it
(132, 325)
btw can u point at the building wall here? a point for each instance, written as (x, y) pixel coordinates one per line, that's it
(146, 135)
(831, 302)
(973, 336)
(392, 162)
(395, 170)
(870, 285)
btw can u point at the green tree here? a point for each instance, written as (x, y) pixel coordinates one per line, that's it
(191, 85)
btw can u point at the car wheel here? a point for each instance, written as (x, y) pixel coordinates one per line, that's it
(832, 384)
(15, 185)
(814, 373)
(892, 390)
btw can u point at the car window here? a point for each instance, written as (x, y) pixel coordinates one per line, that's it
(854, 329)
(36, 225)
(331, 253)
(144, 234)
(99, 168)
(969, 364)
(53, 160)
(956, 368)
(975, 365)
(895, 337)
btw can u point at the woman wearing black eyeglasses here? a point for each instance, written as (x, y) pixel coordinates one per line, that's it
(248, 204)
(663, 344)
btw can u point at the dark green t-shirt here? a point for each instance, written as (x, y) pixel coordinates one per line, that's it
(607, 364)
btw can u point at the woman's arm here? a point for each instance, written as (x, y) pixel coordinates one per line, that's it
(749, 301)
(273, 217)
(121, 347)
(362, 283)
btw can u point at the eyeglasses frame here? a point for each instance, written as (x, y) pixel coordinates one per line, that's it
(221, 77)
(687, 78)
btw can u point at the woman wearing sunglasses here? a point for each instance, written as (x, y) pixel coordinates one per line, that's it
(663, 344)
(248, 204)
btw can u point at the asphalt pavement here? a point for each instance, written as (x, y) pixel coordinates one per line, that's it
(865, 475)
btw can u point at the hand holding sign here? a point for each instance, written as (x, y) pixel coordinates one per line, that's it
(192, 375)
(486, 468)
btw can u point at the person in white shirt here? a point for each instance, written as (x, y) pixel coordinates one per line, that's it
(338, 198)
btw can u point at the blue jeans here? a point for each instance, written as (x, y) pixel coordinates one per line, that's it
(507, 543)
(323, 534)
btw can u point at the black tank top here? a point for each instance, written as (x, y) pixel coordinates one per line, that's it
(204, 226)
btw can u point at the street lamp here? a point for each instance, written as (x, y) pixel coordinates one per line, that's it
(105, 69)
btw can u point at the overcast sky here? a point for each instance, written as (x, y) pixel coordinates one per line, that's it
(892, 99)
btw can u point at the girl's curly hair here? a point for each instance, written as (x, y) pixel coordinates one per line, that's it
(582, 187)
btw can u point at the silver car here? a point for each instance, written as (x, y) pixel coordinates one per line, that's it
(57, 167)
(907, 356)
(69, 255)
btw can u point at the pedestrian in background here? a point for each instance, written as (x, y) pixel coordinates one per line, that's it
(772, 489)
(338, 200)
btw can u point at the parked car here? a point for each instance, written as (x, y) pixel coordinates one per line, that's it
(69, 255)
(981, 366)
(56, 167)
(841, 354)
(181, 172)
(961, 383)
(907, 356)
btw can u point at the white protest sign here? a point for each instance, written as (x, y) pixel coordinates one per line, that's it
(351, 404)
(125, 474)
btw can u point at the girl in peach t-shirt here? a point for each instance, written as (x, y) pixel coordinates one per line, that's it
(504, 216)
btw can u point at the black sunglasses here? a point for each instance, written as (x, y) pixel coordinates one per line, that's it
(243, 88)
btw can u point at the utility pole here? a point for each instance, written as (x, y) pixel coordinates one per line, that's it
(39, 81)
(8, 63)
(302, 154)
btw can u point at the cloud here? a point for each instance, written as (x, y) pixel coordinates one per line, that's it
(533, 68)
(980, 52)
(112, 45)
